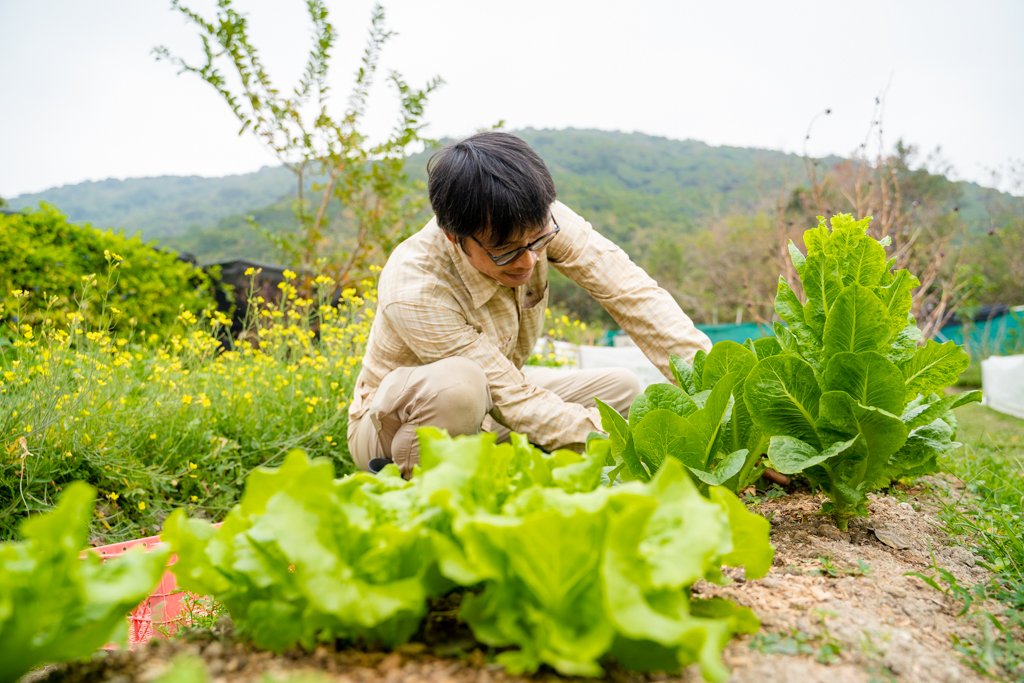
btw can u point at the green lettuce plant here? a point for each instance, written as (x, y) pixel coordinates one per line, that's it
(703, 423)
(845, 393)
(855, 400)
(57, 605)
(560, 569)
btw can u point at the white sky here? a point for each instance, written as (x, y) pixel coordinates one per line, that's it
(81, 97)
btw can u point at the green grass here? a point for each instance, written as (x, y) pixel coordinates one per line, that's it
(990, 517)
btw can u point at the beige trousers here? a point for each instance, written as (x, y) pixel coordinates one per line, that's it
(453, 394)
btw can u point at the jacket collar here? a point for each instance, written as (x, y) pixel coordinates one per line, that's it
(480, 287)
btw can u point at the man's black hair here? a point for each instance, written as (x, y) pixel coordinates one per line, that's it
(491, 183)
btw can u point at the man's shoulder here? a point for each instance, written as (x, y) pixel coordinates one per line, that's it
(416, 269)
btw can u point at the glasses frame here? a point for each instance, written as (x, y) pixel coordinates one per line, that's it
(510, 256)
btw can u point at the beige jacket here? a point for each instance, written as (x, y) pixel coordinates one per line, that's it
(433, 304)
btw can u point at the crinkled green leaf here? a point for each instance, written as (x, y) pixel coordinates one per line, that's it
(868, 377)
(683, 374)
(56, 605)
(724, 358)
(660, 396)
(764, 347)
(925, 409)
(296, 531)
(789, 455)
(703, 428)
(920, 451)
(857, 322)
(551, 573)
(797, 257)
(880, 435)
(905, 345)
(724, 469)
(659, 435)
(782, 395)
(897, 297)
(698, 369)
(621, 437)
(822, 287)
(934, 367)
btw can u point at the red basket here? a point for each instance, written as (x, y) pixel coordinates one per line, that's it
(162, 612)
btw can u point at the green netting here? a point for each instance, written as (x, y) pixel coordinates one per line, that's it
(1002, 335)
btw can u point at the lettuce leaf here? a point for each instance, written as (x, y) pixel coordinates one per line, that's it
(57, 605)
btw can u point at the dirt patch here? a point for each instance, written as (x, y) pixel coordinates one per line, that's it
(843, 601)
(837, 607)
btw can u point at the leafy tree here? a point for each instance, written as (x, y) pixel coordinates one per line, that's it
(338, 171)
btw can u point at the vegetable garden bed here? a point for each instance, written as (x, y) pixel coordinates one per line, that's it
(836, 606)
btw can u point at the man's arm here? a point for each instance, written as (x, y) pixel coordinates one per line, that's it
(648, 314)
(435, 331)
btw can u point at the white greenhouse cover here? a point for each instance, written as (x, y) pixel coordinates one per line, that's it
(1002, 384)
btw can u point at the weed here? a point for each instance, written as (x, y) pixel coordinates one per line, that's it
(823, 646)
(989, 515)
(752, 497)
(829, 568)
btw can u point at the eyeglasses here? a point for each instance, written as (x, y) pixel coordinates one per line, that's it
(510, 256)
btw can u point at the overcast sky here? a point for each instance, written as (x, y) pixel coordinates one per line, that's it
(82, 98)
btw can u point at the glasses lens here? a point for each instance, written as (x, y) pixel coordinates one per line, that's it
(536, 245)
(542, 242)
(508, 257)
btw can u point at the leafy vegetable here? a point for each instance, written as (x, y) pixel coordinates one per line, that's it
(705, 424)
(854, 401)
(562, 570)
(304, 557)
(56, 605)
(844, 394)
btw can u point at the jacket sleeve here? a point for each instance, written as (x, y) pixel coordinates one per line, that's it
(648, 314)
(435, 331)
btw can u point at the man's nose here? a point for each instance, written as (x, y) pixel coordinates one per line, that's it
(532, 255)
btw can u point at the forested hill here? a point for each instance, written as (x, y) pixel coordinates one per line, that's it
(626, 183)
(164, 207)
(634, 187)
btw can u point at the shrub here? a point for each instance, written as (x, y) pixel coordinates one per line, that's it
(53, 269)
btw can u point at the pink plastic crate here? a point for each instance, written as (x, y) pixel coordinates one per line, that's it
(162, 612)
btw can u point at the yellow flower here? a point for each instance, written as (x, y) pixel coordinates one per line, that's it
(186, 400)
(195, 499)
(112, 497)
(142, 505)
(152, 437)
(193, 466)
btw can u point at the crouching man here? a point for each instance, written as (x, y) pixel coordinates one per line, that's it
(461, 304)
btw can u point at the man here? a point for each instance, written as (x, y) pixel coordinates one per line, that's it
(461, 304)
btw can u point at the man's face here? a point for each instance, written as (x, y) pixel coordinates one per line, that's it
(480, 251)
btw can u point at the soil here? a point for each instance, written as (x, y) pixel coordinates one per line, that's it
(837, 606)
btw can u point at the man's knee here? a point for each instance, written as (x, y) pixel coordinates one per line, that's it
(461, 398)
(626, 386)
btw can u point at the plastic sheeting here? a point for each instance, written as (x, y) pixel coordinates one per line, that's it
(623, 355)
(1002, 384)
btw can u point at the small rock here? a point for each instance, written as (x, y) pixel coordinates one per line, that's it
(891, 538)
(906, 506)
(830, 531)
